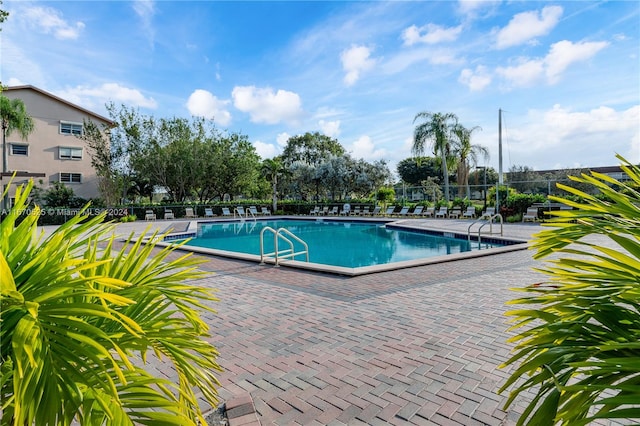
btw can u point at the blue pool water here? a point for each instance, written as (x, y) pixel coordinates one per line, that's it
(336, 243)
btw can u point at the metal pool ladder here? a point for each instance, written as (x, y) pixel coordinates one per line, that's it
(278, 254)
(487, 222)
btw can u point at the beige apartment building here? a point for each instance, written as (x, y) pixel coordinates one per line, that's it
(52, 152)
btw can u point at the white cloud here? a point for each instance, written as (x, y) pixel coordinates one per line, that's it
(563, 133)
(407, 58)
(265, 150)
(471, 8)
(561, 55)
(564, 53)
(366, 149)
(525, 26)
(355, 60)
(330, 128)
(282, 139)
(476, 79)
(15, 82)
(433, 34)
(266, 106)
(202, 103)
(108, 92)
(145, 9)
(50, 21)
(524, 74)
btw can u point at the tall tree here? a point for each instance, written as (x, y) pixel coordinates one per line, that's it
(311, 148)
(416, 169)
(465, 151)
(435, 131)
(14, 119)
(103, 161)
(272, 169)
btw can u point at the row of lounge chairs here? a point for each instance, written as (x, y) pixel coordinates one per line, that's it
(418, 211)
(208, 213)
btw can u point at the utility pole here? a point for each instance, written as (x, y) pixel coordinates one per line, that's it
(500, 180)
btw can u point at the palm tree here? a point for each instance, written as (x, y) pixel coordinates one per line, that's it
(14, 118)
(83, 323)
(576, 354)
(465, 151)
(436, 131)
(272, 168)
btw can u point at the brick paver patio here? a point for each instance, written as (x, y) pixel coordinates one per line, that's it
(417, 346)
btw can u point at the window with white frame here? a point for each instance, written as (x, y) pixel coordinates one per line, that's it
(71, 177)
(69, 128)
(19, 149)
(68, 153)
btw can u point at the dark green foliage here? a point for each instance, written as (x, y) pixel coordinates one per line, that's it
(518, 203)
(416, 169)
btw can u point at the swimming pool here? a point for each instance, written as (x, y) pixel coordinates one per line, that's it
(349, 247)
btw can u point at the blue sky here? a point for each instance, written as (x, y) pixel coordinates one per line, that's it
(566, 74)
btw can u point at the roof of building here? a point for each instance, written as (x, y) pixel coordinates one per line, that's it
(601, 169)
(59, 99)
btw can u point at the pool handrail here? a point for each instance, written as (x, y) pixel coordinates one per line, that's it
(489, 221)
(243, 213)
(282, 254)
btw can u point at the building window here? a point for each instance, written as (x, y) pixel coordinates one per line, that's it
(71, 177)
(66, 153)
(67, 128)
(19, 149)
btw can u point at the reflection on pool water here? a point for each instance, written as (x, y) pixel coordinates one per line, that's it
(337, 243)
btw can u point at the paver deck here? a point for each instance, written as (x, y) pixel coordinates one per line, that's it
(416, 346)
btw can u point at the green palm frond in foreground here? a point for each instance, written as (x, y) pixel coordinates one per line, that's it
(79, 319)
(578, 347)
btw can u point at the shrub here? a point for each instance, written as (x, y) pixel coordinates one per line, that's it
(79, 320)
(514, 218)
(519, 203)
(579, 341)
(129, 218)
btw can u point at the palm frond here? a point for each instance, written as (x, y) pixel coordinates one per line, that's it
(577, 343)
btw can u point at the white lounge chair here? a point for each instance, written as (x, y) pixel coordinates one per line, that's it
(240, 211)
(390, 210)
(417, 211)
(490, 211)
(225, 212)
(403, 211)
(366, 211)
(531, 215)
(333, 211)
(346, 210)
(189, 214)
(168, 214)
(429, 212)
(253, 210)
(315, 211)
(442, 212)
(265, 211)
(470, 212)
(455, 213)
(149, 215)
(376, 211)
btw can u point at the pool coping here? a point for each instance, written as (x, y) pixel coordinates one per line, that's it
(189, 229)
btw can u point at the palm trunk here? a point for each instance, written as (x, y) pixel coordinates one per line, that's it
(445, 172)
